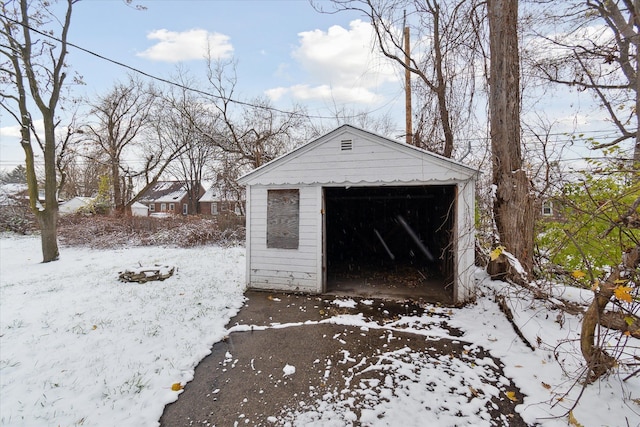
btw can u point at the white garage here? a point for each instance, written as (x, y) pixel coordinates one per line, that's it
(356, 213)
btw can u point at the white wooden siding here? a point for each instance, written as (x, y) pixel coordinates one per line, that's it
(284, 269)
(464, 289)
(371, 160)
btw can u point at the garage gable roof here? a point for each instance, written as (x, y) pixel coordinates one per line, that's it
(349, 155)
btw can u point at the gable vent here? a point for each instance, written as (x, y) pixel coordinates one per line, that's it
(346, 145)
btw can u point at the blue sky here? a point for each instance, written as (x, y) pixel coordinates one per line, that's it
(284, 49)
(277, 43)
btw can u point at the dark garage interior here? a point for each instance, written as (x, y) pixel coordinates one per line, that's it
(390, 241)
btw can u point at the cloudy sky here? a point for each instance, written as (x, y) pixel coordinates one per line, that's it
(284, 49)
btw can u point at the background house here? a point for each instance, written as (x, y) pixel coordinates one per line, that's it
(550, 209)
(359, 213)
(169, 198)
(214, 202)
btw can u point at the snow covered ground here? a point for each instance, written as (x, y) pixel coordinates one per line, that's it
(79, 347)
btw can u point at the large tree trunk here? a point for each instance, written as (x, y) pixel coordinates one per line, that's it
(513, 207)
(48, 220)
(48, 217)
(38, 68)
(118, 203)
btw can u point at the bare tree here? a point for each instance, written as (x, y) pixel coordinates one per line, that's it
(33, 75)
(597, 50)
(180, 125)
(444, 61)
(383, 125)
(122, 117)
(251, 133)
(513, 205)
(82, 167)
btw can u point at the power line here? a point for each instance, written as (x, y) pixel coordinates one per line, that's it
(292, 113)
(163, 80)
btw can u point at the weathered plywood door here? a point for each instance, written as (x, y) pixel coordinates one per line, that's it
(283, 219)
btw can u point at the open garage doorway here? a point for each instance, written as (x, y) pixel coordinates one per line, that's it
(390, 241)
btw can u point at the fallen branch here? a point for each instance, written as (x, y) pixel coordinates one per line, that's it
(621, 322)
(504, 266)
(502, 303)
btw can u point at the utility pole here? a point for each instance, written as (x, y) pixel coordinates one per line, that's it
(407, 83)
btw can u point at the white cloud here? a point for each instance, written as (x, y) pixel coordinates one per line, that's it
(339, 94)
(175, 46)
(345, 56)
(10, 131)
(13, 131)
(277, 93)
(11, 152)
(343, 64)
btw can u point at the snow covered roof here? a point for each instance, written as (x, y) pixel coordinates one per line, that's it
(138, 209)
(75, 204)
(138, 205)
(11, 193)
(165, 192)
(211, 195)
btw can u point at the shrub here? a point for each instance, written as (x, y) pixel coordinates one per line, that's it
(589, 234)
(99, 231)
(18, 219)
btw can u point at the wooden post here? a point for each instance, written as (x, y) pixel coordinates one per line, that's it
(407, 79)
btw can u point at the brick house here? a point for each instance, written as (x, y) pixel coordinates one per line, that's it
(213, 203)
(169, 198)
(549, 209)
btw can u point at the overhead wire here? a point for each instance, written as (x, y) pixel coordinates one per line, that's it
(279, 110)
(232, 100)
(179, 85)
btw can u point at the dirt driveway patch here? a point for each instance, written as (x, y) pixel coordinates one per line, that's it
(294, 360)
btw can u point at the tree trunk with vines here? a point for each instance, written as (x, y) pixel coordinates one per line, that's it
(513, 204)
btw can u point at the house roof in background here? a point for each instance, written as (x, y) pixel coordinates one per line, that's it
(165, 192)
(211, 195)
(139, 205)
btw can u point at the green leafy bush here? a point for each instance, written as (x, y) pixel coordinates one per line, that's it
(593, 225)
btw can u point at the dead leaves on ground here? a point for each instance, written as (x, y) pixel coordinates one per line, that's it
(511, 395)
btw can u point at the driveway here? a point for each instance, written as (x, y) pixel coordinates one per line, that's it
(325, 360)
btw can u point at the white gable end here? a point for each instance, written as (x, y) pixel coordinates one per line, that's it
(352, 156)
